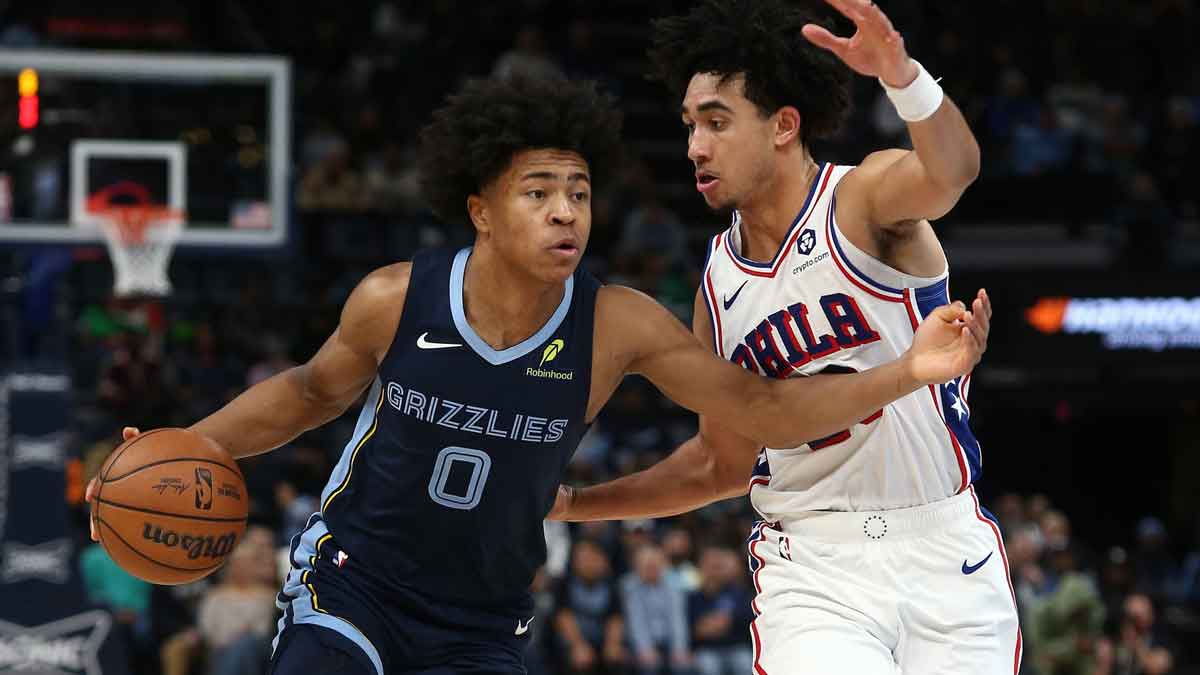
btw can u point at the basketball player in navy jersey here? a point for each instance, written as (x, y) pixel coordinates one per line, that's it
(873, 554)
(482, 370)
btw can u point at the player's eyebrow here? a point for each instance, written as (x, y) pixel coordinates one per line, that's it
(706, 106)
(550, 175)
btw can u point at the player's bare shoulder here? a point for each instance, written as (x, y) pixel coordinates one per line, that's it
(372, 313)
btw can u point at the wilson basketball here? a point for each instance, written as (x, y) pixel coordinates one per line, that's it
(171, 506)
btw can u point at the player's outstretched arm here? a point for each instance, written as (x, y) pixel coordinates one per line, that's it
(898, 186)
(714, 464)
(780, 413)
(282, 407)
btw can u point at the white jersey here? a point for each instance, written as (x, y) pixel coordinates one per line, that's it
(823, 305)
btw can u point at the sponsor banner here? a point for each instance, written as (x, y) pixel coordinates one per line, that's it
(47, 624)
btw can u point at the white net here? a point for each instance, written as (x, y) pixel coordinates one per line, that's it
(140, 241)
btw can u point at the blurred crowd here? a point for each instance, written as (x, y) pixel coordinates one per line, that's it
(1089, 117)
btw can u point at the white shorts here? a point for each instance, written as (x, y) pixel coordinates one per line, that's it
(918, 591)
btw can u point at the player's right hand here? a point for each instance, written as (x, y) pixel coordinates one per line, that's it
(94, 486)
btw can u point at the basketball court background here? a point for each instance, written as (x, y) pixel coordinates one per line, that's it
(282, 139)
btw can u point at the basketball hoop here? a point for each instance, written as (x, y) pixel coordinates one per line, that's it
(140, 237)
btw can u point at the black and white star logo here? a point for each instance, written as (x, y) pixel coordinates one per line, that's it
(957, 406)
(807, 241)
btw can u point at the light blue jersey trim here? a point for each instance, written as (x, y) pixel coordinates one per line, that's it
(366, 418)
(483, 349)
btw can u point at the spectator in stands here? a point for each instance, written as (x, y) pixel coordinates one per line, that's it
(652, 228)
(1010, 510)
(581, 60)
(1139, 649)
(527, 58)
(108, 585)
(1065, 627)
(677, 545)
(1116, 580)
(132, 386)
(1155, 566)
(655, 615)
(274, 360)
(1175, 148)
(719, 615)
(1040, 146)
(390, 178)
(1024, 546)
(173, 625)
(238, 616)
(332, 185)
(1144, 223)
(1011, 106)
(589, 621)
(1115, 141)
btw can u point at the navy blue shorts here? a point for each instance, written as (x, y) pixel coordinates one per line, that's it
(334, 607)
(305, 649)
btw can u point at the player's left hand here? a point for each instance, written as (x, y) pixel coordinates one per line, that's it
(876, 48)
(951, 340)
(93, 487)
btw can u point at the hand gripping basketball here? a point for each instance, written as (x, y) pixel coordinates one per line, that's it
(169, 505)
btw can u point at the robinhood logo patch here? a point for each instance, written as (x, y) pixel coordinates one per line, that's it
(549, 354)
(551, 351)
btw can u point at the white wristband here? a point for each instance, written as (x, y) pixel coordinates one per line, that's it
(920, 99)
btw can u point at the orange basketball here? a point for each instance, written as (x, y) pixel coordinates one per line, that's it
(171, 506)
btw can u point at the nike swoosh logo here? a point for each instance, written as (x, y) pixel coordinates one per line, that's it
(426, 344)
(970, 569)
(729, 301)
(522, 627)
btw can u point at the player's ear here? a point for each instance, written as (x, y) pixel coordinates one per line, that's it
(479, 213)
(787, 125)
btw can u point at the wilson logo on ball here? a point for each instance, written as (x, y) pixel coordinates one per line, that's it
(204, 489)
(196, 547)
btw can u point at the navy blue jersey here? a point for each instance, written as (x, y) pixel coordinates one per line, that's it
(460, 448)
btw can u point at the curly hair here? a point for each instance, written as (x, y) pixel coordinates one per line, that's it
(761, 40)
(473, 138)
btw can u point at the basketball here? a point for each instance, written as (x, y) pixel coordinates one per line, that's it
(171, 506)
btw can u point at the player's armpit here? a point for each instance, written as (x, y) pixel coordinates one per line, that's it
(282, 407)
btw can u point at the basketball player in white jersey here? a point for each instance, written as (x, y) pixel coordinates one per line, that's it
(873, 554)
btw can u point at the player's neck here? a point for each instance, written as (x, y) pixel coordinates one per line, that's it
(769, 212)
(504, 305)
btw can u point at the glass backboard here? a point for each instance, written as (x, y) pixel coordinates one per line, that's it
(207, 135)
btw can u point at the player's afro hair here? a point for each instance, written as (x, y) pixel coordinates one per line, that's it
(473, 138)
(760, 39)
